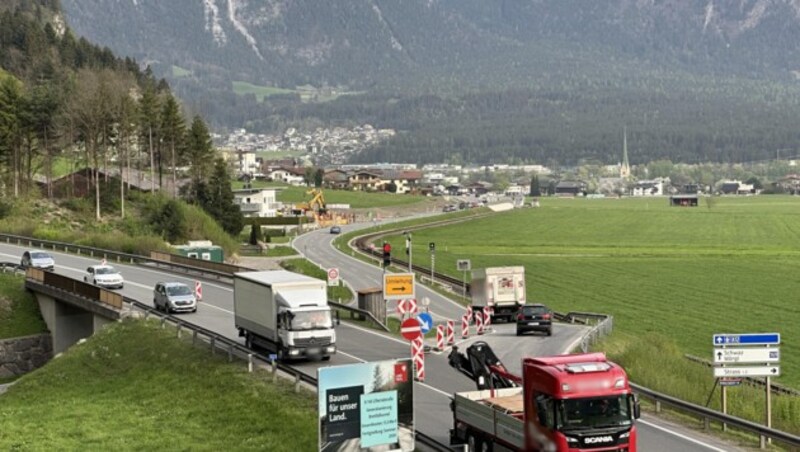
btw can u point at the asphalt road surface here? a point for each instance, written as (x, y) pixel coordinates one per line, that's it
(357, 344)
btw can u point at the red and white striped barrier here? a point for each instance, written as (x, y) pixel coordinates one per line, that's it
(451, 332)
(440, 337)
(198, 290)
(464, 327)
(469, 313)
(487, 316)
(479, 322)
(418, 355)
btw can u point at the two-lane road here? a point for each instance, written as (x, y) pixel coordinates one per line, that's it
(359, 344)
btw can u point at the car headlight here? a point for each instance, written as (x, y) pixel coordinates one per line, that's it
(572, 440)
(331, 349)
(294, 351)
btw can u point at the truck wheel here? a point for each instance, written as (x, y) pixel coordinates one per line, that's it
(281, 353)
(474, 442)
(326, 358)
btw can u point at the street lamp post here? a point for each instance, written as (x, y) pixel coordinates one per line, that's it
(408, 251)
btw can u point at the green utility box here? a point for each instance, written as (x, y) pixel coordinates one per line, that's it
(201, 249)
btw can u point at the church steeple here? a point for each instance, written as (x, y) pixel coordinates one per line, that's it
(625, 168)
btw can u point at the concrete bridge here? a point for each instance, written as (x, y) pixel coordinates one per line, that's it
(72, 309)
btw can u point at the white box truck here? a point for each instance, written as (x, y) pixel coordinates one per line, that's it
(285, 312)
(501, 288)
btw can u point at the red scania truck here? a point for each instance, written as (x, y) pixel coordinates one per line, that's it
(565, 403)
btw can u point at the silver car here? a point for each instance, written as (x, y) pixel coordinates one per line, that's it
(37, 259)
(174, 297)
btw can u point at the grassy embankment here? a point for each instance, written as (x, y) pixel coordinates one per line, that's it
(134, 385)
(19, 313)
(670, 276)
(73, 221)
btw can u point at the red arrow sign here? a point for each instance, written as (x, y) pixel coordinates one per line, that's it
(410, 329)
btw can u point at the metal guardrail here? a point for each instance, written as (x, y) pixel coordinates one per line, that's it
(600, 328)
(235, 349)
(115, 255)
(359, 311)
(708, 415)
(774, 387)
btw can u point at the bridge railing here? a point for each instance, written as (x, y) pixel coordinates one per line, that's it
(602, 326)
(75, 286)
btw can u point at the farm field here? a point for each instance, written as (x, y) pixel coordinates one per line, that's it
(729, 265)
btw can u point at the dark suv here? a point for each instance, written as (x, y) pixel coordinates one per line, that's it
(534, 317)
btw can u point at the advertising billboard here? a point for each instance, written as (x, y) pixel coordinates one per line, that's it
(366, 406)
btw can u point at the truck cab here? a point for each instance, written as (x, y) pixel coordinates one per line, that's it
(564, 403)
(306, 332)
(579, 402)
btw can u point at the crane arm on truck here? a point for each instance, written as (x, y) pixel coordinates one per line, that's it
(482, 366)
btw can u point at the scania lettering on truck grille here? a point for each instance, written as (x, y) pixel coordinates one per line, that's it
(599, 439)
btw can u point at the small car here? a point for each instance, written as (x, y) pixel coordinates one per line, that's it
(534, 317)
(104, 276)
(174, 297)
(335, 230)
(38, 259)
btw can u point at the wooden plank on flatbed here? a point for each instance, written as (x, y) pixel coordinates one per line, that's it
(512, 404)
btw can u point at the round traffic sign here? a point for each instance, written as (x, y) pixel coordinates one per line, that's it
(333, 273)
(425, 322)
(410, 329)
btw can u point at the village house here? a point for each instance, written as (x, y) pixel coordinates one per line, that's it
(257, 202)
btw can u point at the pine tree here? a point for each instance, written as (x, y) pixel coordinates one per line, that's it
(220, 203)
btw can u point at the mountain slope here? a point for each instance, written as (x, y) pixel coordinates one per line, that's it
(698, 79)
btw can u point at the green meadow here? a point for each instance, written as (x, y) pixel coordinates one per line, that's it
(259, 91)
(729, 265)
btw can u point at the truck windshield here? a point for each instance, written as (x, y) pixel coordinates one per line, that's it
(312, 320)
(580, 414)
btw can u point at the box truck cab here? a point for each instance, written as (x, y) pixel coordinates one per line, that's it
(284, 312)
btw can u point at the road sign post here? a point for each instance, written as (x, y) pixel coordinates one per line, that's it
(760, 354)
(464, 265)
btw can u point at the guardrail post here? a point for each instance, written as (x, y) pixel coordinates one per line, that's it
(762, 442)
(213, 345)
(179, 331)
(297, 382)
(230, 353)
(250, 362)
(706, 424)
(163, 322)
(194, 337)
(274, 371)
(658, 406)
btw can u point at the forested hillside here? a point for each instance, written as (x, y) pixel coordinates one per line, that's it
(483, 80)
(67, 104)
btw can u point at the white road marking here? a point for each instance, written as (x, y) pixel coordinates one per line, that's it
(680, 435)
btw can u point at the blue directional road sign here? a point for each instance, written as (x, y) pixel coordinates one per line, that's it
(747, 339)
(425, 322)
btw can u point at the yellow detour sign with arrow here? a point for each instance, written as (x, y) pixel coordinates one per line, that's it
(397, 286)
